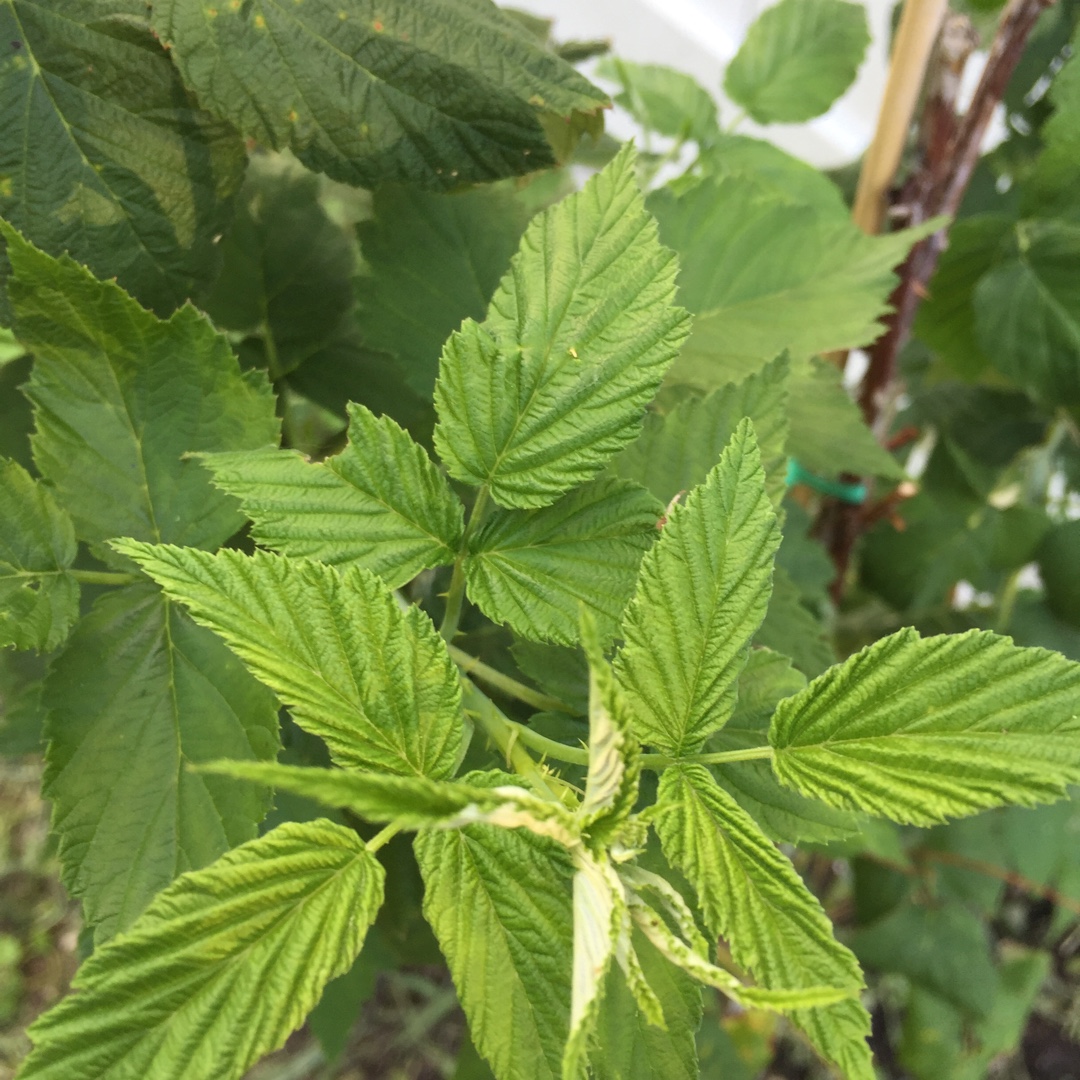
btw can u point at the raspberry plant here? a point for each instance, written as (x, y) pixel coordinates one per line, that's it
(482, 558)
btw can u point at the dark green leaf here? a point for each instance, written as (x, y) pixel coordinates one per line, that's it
(120, 397)
(105, 155)
(440, 94)
(139, 692)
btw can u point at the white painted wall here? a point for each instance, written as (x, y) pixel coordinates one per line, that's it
(700, 37)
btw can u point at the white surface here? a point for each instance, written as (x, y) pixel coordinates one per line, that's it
(700, 37)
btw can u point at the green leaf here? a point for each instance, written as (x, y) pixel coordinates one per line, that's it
(534, 569)
(797, 58)
(381, 503)
(440, 95)
(120, 397)
(611, 784)
(628, 1046)
(138, 693)
(105, 155)
(946, 318)
(944, 949)
(701, 595)
(287, 268)
(783, 814)
(921, 729)
(773, 172)
(675, 452)
(663, 100)
(1027, 311)
(1060, 572)
(1051, 186)
(432, 261)
(39, 601)
(828, 433)
(751, 895)
(372, 680)
(411, 801)
(790, 628)
(499, 903)
(221, 968)
(579, 334)
(763, 275)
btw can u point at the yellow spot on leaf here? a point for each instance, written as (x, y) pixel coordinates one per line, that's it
(260, 22)
(5, 187)
(342, 15)
(293, 116)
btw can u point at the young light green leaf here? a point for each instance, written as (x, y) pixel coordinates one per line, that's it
(499, 903)
(221, 968)
(411, 801)
(576, 341)
(675, 452)
(762, 275)
(106, 155)
(140, 692)
(631, 1048)
(701, 595)
(611, 784)
(601, 920)
(752, 896)
(797, 59)
(534, 569)
(922, 729)
(287, 267)
(663, 100)
(439, 94)
(120, 397)
(693, 963)
(381, 503)
(432, 261)
(39, 601)
(372, 680)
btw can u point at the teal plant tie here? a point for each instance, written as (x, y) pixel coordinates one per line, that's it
(849, 493)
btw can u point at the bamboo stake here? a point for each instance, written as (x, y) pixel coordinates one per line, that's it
(912, 48)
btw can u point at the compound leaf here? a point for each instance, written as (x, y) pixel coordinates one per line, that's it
(701, 595)
(438, 94)
(372, 680)
(140, 692)
(578, 336)
(39, 601)
(221, 968)
(105, 155)
(120, 397)
(381, 503)
(533, 569)
(797, 59)
(751, 895)
(922, 729)
(499, 903)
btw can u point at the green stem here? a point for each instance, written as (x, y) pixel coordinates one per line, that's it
(472, 665)
(721, 757)
(502, 733)
(381, 839)
(103, 577)
(273, 361)
(455, 596)
(576, 755)
(1007, 601)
